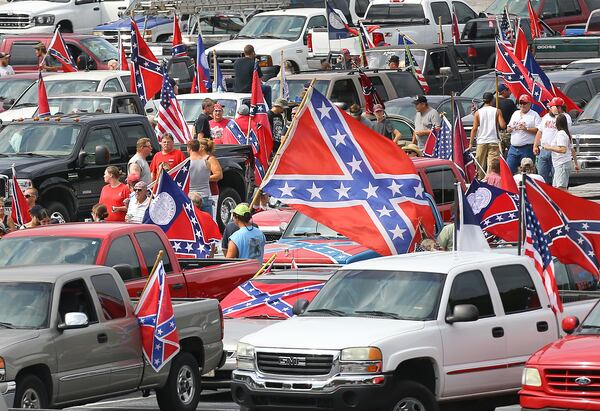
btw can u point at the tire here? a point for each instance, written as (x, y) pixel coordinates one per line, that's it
(182, 390)
(228, 199)
(31, 393)
(56, 207)
(412, 396)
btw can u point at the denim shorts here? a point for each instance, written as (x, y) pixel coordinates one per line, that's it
(561, 175)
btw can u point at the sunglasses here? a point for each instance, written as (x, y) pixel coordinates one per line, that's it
(28, 196)
(137, 190)
(524, 103)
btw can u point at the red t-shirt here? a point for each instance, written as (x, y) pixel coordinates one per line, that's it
(114, 196)
(216, 129)
(172, 159)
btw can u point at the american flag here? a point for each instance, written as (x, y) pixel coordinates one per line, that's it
(158, 329)
(506, 29)
(147, 73)
(170, 116)
(443, 143)
(536, 247)
(178, 49)
(409, 61)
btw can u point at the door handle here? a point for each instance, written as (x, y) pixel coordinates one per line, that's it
(177, 286)
(542, 326)
(96, 9)
(102, 338)
(497, 332)
(121, 8)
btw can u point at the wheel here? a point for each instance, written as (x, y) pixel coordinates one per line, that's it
(228, 199)
(56, 207)
(31, 393)
(412, 396)
(182, 390)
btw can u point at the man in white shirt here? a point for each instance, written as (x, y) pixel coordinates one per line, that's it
(545, 137)
(138, 205)
(523, 126)
(485, 126)
(5, 68)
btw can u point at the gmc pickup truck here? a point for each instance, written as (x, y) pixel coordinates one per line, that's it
(129, 248)
(70, 336)
(409, 331)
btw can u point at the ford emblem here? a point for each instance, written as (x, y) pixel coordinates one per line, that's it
(583, 380)
(228, 61)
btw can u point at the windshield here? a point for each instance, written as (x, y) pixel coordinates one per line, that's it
(66, 105)
(480, 86)
(592, 110)
(273, 27)
(378, 59)
(518, 7)
(55, 88)
(404, 108)
(25, 305)
(304, 226)
(402, 295)
(11, 89)
(193, 108)
(410, 13)
(48, 250)
(296, 87)
(101, 48)
(38, 139)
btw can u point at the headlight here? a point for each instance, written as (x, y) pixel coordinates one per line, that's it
(360, 360)
(531, 377)
(97, 33)
(245, 356)
(24, 183)
(265, 61)
(2, 370)
(43, 20)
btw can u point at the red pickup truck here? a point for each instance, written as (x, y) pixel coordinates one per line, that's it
(129, 248)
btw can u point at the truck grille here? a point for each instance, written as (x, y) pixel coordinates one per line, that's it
(294, 364)
(573, 381)
(225, 60)
(14, 21)
(112, 36)
(588, 150)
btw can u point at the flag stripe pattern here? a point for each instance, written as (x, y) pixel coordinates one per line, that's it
(178, 49)
(20, 209)
(409, 61)
(170, 116)
(147, 73)
(201, 83)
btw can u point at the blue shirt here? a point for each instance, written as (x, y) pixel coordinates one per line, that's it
(250, 242)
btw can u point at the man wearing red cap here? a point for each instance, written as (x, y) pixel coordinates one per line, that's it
(218, 124)
(345, 60)
(523, 126)
(545, 137)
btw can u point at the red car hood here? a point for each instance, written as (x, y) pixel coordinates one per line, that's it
(317, 251)
(569, 351)
(270, 220)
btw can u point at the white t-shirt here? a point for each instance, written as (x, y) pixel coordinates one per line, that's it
(6, 71)
(548, 128)
(486, 133)
(137, 210)
(530, 119)
(561, 139)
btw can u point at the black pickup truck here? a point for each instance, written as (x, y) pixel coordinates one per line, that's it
(65, 157)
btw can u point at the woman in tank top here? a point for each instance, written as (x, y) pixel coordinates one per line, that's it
(204, 169)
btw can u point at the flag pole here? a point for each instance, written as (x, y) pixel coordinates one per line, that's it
(283, 141)
(216, 85)
(282, 65)
(457, 212)
(158, 259)
(264, 266)
(520, 228)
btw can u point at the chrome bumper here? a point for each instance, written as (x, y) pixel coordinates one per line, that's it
(7, 389)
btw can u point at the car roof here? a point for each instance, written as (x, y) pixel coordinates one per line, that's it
(89, 75)
(94, 94)
(76, 118)
(84, 230)
(41, 273)
(378, 2)
(214, 96)
(29, 76)
(591, 61)
(434, 262)
(309, 11)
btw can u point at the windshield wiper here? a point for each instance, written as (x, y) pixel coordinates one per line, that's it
(268, 36)
(243, 36)
(380, 314)
(588, 120)
(30, 154)
(26, 105)
(337, 313)
(588, 326)
(265, 317)
(307, 234)
(7, 325)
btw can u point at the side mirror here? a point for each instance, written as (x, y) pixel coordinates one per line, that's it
(74, 321)
(102, 155)
(569, 324)
(7, 103)
(463, 313)
(125, 271)
(282, 226)
(445, 71)
(81, 158)
(300, 306)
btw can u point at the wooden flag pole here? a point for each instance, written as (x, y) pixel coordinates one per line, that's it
(158, 258)
(281, 74)
(264, 266)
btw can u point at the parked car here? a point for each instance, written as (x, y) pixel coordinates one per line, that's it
(442, 103)
(23, 59)
(413, 311)
(11, 87)
(274, 221)
(418, 19)
(79, 82)
(131, 249)
(584, 64)
(95, 102)
(444, 70)
(66, 326)
(240, 322)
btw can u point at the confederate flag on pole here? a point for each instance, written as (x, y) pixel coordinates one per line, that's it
(43, 106)
(20, 209)
(260, 122)
(347, 177)
(178, 49)
(60, 52)
(147, 74)
(369, 92)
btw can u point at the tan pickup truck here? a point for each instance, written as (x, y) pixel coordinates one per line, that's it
(69, 336)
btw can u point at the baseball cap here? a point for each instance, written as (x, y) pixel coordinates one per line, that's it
(140, 185)
(345, 51)
(4, 55)
(526, 161)
(413, 147)
(377, 107)
(394, 59)
(133, 178)
(487, 96)
(502, 87)
(280, 102)
(556, 101)
(218, 107)
(242, 209)
(420, 99)
(525, 98)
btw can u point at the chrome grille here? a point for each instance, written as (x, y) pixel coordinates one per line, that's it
(226, 60)
(565, 381)
(588, 150)
(294, 363)
(112, 36)
(14, 21)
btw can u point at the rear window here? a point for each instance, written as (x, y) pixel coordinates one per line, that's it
(594, 22)
(478, 30)
(405, 12)
(405, 84)
(21, 54)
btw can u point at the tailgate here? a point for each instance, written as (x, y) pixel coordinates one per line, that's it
(563, 50)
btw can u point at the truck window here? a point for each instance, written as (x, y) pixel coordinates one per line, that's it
(440, 9)
(403, 128)
(151, 244)
(110, 297)
(593, 4)
(317, 22)
(442, 184)
(582, 279)
(75, 298)
(580, 93)
(126, 82)
(360, 7)
(126, 105)
(132, 133)
(463, 12)
(376, 80)
(437, 59)
(21, 54)
(405, 84)
(561, 276)
(99, 137)
(516, 288)
(344, 91)
(112, 85)
(550, 9)
(179, 70)
(569, 7)
(470, 288)
(121, 251)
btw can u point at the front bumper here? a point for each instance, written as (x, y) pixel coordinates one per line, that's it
(8, 389)
(347, 392)
(540, 401)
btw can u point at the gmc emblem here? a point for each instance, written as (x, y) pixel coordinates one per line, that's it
(292, 361)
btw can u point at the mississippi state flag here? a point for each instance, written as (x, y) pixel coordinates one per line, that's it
(20, 209)
(147, 74)
(59, 51)
(43, 106)
(160, 340)
(178, 49)
(180, 175)
(344, 175)
(259, 298)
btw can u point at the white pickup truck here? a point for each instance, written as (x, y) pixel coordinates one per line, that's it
(404, 332)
